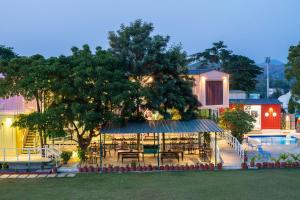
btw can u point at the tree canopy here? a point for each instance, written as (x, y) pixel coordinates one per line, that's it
(243, 71)
(158, 71)
(292, 70)
(237, 121)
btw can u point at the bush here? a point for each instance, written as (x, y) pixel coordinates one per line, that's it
(66, 155)
(81, 155)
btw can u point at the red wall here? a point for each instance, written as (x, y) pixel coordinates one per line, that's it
(270, 122)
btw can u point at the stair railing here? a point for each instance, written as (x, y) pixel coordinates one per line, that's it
(24, 138)
(46, 154)
(235, 144)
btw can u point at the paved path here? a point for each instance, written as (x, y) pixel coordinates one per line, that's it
(230, 158)
(29, 176)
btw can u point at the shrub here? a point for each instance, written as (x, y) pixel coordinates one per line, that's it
(65, 156)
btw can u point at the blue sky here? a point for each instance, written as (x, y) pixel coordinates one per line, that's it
(255, 28)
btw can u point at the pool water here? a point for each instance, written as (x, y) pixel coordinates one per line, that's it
(274, 139)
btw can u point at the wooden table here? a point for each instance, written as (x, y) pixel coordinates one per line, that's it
(121, 151)
(169, 155)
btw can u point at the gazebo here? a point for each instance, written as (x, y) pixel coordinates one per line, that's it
(160, 129)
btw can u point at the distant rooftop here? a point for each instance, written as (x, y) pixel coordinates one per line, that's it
(197, 68)
(254, 101)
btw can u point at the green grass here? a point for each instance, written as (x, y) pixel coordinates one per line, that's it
(241, 185)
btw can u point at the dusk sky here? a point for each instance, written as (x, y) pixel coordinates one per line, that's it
(256, 28)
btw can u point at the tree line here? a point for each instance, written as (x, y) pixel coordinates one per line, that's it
(84, 91)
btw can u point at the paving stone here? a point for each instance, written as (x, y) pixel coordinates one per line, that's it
(14, 176)
(4, 176)
(62, 175)
(23, 176)
(32, 176)
(51, 175)
(71, 175)
(42, 175)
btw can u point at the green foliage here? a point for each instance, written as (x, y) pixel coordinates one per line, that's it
(283, 156)
(292, 69)
(243, 71)
(84, 91)
(161, 82)
(6, 53)
(295, 157)
(81, 154)
(66, 156)
(237, 121)
(292, 106)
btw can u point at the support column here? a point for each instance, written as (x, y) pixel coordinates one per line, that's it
(215, 149)
(101, 153)
(138, 141)
(199, 143)
(158, 150)
(164, 142)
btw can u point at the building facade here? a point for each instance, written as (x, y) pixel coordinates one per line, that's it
(267, 112)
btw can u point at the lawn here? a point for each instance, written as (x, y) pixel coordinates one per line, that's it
(241, 185)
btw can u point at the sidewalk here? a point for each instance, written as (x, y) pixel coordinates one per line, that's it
(230, 158)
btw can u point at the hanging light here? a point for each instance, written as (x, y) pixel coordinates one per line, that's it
(267, 114)
(8, 122)
(274, 114)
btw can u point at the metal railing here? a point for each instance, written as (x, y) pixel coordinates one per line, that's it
(235, 144)
(32, 155)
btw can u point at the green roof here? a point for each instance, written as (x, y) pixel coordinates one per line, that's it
(164, 126)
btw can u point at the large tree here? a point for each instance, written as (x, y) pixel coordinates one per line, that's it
(171, 88)
(243, 71)
(89, 91)
(292, 70)
(157, 71)
(28, 77)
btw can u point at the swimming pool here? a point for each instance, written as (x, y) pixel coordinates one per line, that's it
(274, 139)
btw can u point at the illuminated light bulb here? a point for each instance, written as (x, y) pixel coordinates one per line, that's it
(274, 114)
(266, 114)
(8, 122)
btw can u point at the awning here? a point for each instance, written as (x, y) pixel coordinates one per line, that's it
(164, 126)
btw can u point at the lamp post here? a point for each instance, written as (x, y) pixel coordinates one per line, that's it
(268, 60)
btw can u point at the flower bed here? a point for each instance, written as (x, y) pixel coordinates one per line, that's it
(150, 168)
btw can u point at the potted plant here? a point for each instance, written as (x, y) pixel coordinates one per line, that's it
(276, 161)
(91, 168)
(244, 165)
(283, 157)
(122, 169)
(139, 168)
(296, 158)
(220, 166)
(258, 165)
(186, 167)
(211, 166)
(66, 156)
(133, 165)
(252, 161)
(289, 163)
(192, 167)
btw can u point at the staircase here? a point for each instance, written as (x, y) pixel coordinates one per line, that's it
(30, 141)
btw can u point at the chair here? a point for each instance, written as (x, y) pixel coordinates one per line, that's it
(264, 154)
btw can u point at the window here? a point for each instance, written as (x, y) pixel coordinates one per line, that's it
(214, 92)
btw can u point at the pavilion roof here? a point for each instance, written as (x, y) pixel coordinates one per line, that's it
(164, 126)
